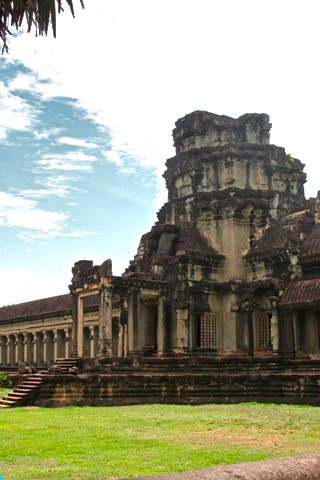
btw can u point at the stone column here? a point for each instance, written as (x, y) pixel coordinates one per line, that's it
(3, 350)
(126, 341)
(45, 347)
(25, 347)
(274, 326)
(74, 327)
(247, 320)
(8, 349)
(105, 321)
(121, 340)
(286, 333)
(66, 343)
(181, 333)
(55, 345)
(35, 349)
(80, 326)
(16, 348)
(91, 328)
(134, 321)
(161, 326)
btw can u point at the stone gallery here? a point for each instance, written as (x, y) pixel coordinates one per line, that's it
(221, 301)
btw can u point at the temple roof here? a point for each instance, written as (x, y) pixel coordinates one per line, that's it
(301, 293)
(285, 234)
(45, 307)
(311, 248)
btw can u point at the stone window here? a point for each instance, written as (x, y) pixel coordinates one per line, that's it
(263, 331)
(207, 331)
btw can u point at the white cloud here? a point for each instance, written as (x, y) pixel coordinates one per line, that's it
(50, 186)
(77, 142)
(76, 156)
(23, 81)
(56, 164)
(147, 79)
(45, 134)
(24, 213)
(3, 133)
(41, 192)
(49, 235)
(70, 161)
(35, 284)
(15, 113)
(38, 284)
(34, 223)
(114, 157)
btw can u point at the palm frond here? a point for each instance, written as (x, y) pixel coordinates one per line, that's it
(37, 13)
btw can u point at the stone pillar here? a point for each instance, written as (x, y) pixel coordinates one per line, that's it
(38, 348)
(247, 321)
(16, 348)
(45, 347)
(91, 328)
(3, 350)
(96, 339)
(74, 327)
(67, 343)
(134, 321)
(161, 326)
(105, 321)
(80, 326)
(8, 349)
(274, 326)
(181, 330)
(286, 333)
(121, 340)
(19, 339)
(125, 345)
(55, 345)
(35, 349)
(25, 347)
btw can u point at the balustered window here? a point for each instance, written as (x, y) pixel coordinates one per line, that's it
(263, 331)
(207, 331)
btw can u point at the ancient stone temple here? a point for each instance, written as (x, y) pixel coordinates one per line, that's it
(230, 272)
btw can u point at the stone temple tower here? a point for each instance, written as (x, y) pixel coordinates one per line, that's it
(226, 185)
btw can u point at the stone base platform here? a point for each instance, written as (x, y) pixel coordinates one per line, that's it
(184, 380)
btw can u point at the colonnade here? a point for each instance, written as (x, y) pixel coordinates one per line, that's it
(42, 347)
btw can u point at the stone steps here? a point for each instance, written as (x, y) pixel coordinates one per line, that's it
(62, 365)
(24, 392)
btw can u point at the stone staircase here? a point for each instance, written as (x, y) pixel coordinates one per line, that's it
(24, 392)
(63, 365)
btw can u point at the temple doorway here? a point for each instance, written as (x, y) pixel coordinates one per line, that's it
(149, 328)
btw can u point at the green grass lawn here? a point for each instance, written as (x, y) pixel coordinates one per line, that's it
(109, 442)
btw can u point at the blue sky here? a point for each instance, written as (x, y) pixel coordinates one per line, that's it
(64, 192)
(86, 119)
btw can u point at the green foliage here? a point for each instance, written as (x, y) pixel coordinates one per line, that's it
(4, 380)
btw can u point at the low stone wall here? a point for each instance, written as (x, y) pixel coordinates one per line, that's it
(185, 388)
(302, 467)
